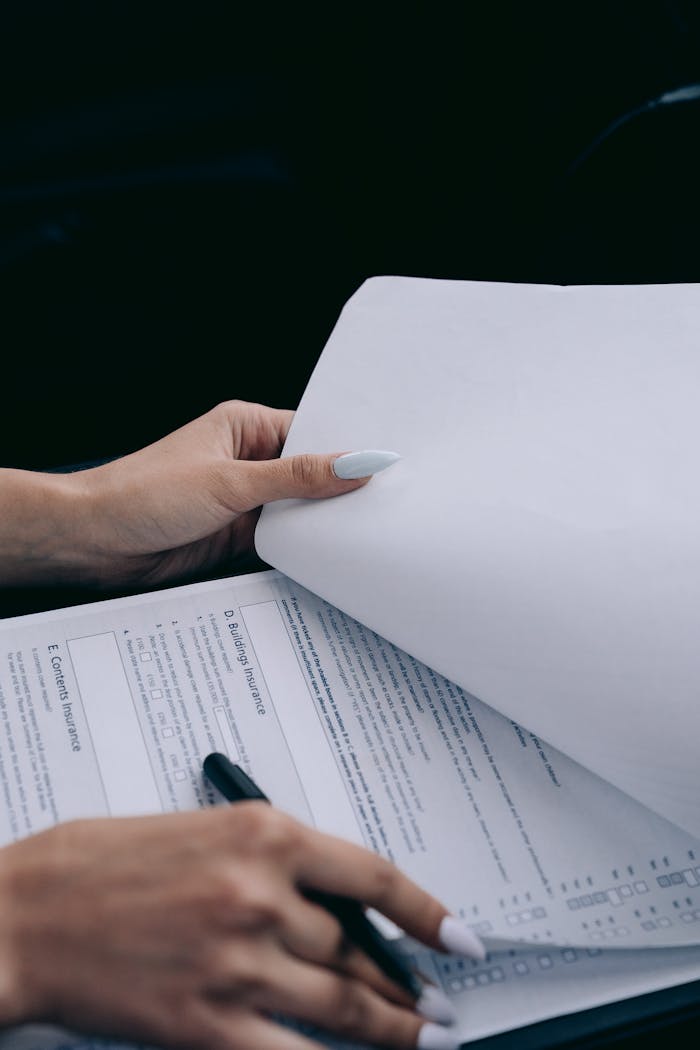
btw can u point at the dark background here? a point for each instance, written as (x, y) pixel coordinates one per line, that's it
(190, 192)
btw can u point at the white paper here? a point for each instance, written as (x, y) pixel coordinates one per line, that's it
(504, 829)
(539, 542)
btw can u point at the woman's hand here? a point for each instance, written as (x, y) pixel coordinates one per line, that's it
(180, 508)
(188, 504)
(191, 929)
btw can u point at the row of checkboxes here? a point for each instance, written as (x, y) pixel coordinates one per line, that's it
(545, 961)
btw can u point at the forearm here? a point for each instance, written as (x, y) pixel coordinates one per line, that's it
(42, 529)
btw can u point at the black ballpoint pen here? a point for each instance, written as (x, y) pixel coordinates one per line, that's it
(236, 786)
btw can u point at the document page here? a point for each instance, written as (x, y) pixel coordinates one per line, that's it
(111, 708)
(538, 543)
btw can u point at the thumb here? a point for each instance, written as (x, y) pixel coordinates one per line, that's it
(308, 476)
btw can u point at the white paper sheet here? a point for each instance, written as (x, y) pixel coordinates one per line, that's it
(539, 543)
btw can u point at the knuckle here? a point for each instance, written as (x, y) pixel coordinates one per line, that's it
(226, 409)
(304, 470)
(385, 882)
(216, 479)
(212, 965)
(349, 1009)
(246, 821)
(224, 891)
(232, 969)
(237, 902)
(246, 978)
(70, 832)
(63, 844)
(396, 1028)
(328, 941)
(258, 910)
(432, 914)
(272, 832)
(338, 945)
(217, 414)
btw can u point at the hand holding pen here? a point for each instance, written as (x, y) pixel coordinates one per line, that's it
(196, 929)
(335, 877)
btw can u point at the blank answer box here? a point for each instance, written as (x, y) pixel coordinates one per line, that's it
(291, 695)
(230, 746)
(181, 774)
(168, 732)
(156, 694)
(125, 768)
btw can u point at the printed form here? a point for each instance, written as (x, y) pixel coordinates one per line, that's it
(111, 709)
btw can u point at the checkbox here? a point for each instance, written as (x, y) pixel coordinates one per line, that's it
(168, 731)
(180, 774)
(156, 694)
(146, 656)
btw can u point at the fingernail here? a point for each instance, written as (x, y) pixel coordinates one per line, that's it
(435, 1037)
(361, 464)
(435, 1006)
(455, 936)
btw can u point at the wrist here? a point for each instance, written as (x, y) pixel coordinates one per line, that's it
(44, 527)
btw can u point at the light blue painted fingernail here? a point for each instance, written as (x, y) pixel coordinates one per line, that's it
(435, 1006)
(435, 1037)
(455, 936)
(362, 464)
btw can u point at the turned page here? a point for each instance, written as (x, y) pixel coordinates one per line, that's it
(538, 543)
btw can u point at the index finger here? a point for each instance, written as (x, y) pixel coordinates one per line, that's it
(335, 866)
